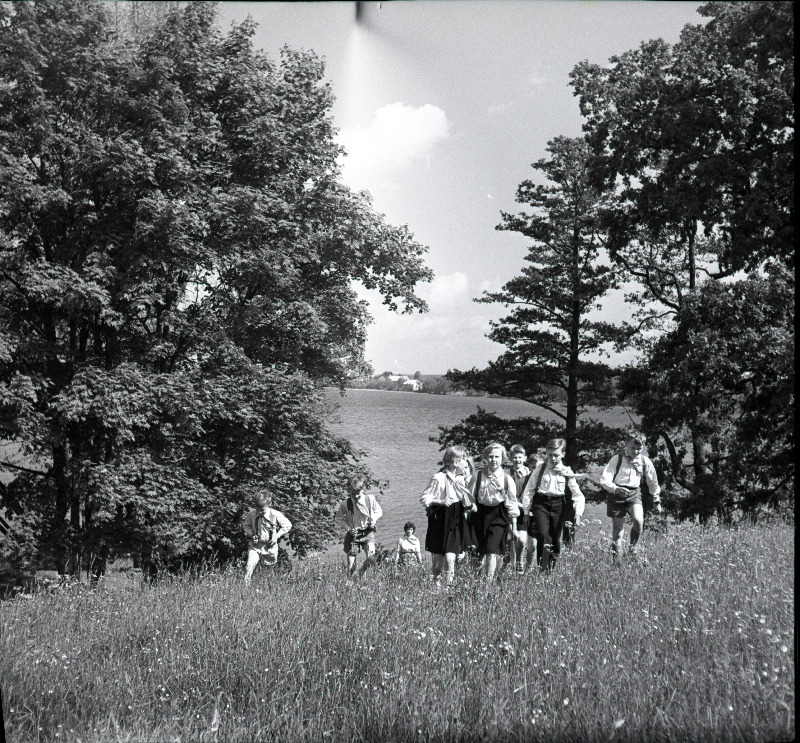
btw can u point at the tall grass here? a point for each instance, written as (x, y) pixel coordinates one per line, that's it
(697, 645)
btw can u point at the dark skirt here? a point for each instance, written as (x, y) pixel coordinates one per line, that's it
(445, 529)
(491, 524)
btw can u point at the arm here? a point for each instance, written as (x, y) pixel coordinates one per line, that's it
(249, 526)
(397, 552)
(530, 487)
(473, 496)
(340, 518)
(511, 503)
(607, 478)
(578, 499)
(652, 481)
(284, 526)
(431, 493)
(375, 511)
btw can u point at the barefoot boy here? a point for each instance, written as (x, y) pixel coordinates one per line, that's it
(622, 480)
(359, 513)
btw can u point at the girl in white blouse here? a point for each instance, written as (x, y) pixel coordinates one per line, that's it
(408, 547)
(445, 499)
(495, 497)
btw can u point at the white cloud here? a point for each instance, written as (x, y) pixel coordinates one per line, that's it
(399, 136)
(444, 291)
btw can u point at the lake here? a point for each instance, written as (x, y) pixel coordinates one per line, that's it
(394, 431)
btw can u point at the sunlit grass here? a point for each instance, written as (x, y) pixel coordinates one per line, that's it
(697, 645)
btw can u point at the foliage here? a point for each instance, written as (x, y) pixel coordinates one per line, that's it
(725, 376)
(550, 336)
(697, 142)
(698, 139)
(176, 260)
(699, 645)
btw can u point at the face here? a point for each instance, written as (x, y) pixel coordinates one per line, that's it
(264, 508)
(518, 460)
(459, 464)
(495, 458)
(554, 456)
(633, 448)
(357, 494)
(409, 531)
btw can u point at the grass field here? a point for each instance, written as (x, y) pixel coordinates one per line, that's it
(697, 645)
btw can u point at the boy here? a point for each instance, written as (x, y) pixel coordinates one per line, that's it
(264, 526)
(359, 513)
(521, 474)
(622, 480)
(545, 498)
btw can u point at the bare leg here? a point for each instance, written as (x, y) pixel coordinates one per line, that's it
(252, 560)
(351, 564)
(636, 512)
(617, 529)
(450, 566)
(436, 564)
(369, 559)
(489, 566)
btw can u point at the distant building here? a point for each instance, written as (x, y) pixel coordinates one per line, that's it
(412, 384)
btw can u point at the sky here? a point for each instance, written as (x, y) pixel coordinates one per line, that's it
(442, 106)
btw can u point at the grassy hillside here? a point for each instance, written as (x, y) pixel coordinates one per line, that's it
(697, 645)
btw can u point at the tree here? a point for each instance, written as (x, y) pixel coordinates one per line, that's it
(550, 335)
(697, 140)
(176, 259)
(700, 139)
(726, 375)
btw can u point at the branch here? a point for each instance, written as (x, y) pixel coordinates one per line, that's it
(677, 469)
(24, 469)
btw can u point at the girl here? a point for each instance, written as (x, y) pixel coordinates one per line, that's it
(444, 500)
(545, 498)
(495, 497)
(408, 547)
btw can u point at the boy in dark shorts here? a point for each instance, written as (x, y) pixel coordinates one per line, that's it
(359, 513)
(622, 480)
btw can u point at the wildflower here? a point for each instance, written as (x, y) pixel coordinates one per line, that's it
(619, 723)
(784, 649)
(566, 702)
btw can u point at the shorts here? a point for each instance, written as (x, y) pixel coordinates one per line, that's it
(618, 505)
(364, 538)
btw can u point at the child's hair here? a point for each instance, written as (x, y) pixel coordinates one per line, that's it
(517, 449)
(452, 453)
(494, 445)
(557, 444)
(409, 525)
(263, 498)
(356, 484)
(634, 435)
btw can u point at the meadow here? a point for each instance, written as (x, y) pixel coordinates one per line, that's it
(696, 645)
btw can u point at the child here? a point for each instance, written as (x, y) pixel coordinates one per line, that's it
(264, 526)
(445, 499)
(359, 513)
(495, 497)
(544, 499)
(622, 480)
(408, 547)
(521, 474)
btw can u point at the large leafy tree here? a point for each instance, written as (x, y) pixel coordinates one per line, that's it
(697, 140)
(176, 260)
(554, 342)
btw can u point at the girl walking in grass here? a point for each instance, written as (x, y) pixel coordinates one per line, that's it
(622, 479)
(408, 547)
(445, 499)
(545, 498)
(521, 474)
(496, 509)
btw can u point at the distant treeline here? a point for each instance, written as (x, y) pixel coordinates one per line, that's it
(433, 384)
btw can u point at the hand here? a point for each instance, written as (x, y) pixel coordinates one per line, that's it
(657, 508)
(578, 520)
(254, 538)
(619, 490)
(353, 532)
(474, 508)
